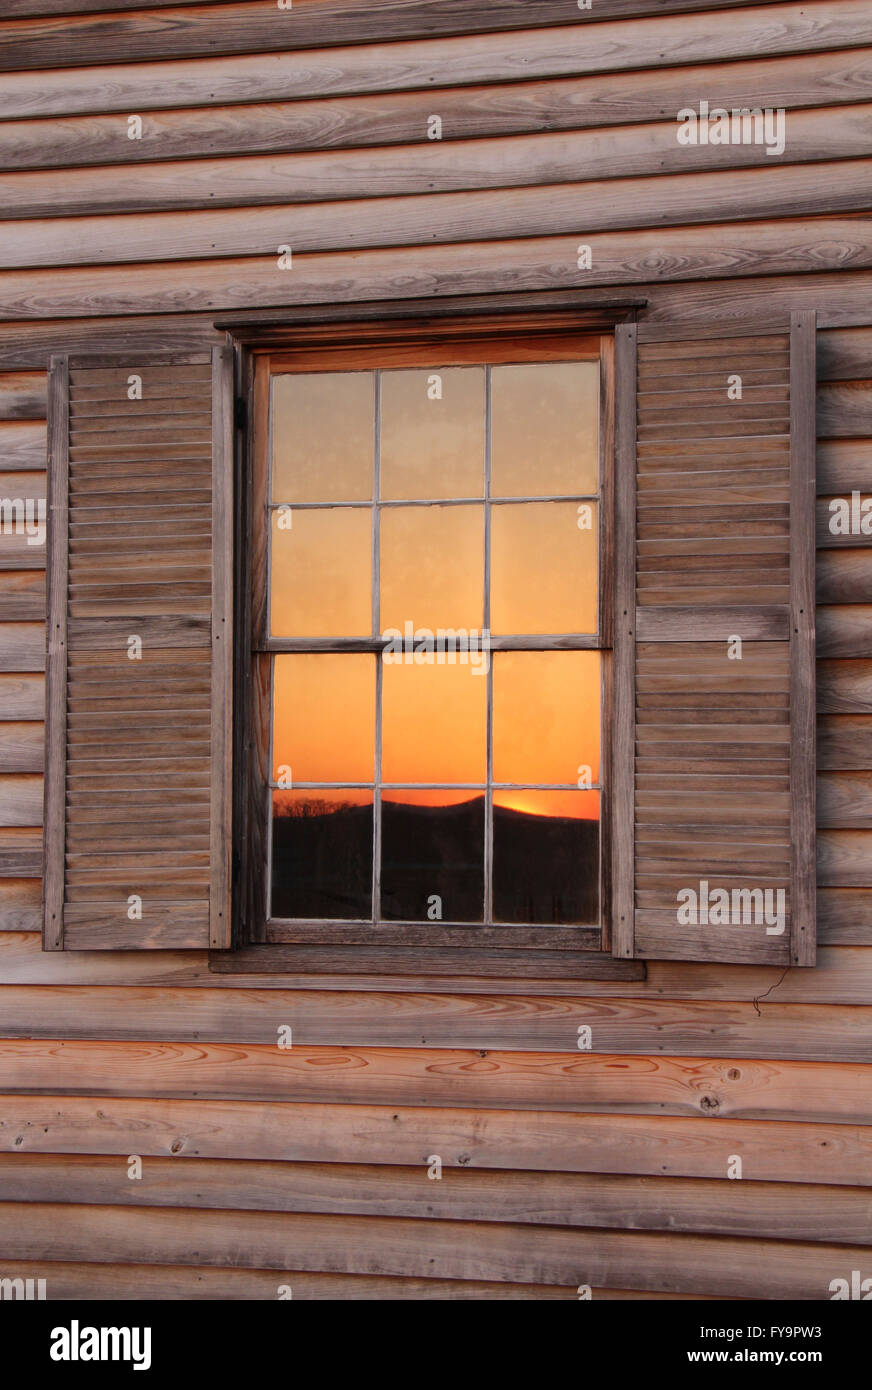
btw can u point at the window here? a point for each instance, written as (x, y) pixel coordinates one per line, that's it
(428, 641)
(438, 602)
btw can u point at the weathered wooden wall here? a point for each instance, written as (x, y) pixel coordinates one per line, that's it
(308, 1166)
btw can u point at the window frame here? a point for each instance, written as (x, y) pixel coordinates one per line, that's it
(560, 332)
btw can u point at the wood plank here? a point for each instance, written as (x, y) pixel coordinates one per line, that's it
(389, 171)
(844, 354)
(842, 975)
(569, 969)
(779, 1151)
(840, 1093)
(836, 297)
(22, 697)
(20, 800)
(844, 576)
(800, 1211)
(708, 623)
(22, 396)
(661, 938)
(538, 1024)
(845, 631)
(802, 636)
(22, 595)
(597, 205)
(20, 904)
(766, 298)
(57, 646)
(845, 916)
(844, 858)
(22, 445)
(400, 117)
(843, 687)
(844, 408)
(845, 801)
(623, 666)
(245, 27)
(338, 13)
(403, 1247)
(618, 259)
(844, 464)
(221, 700)
(21, 747)
(844, 742)
(86, 1281)
(20, 852)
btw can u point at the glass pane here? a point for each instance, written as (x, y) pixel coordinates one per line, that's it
(544, 567)
(546, 717)
(434, 722)
(432, 865)
(322, 854)
(323, 718)
(544, 430)
(432, 567)
(432, 433)
(323, 429)
(320, 570)
(546, 857)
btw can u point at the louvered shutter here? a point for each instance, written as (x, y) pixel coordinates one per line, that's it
(139, 663)
(713, 747)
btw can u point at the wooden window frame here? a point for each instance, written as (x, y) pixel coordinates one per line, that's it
(483, 333)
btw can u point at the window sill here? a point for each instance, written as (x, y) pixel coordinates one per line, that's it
(482, 963)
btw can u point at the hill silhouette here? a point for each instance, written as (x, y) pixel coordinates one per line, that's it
(546, 868)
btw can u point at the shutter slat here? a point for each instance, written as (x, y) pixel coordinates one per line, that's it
(714, 757)
(138, 754)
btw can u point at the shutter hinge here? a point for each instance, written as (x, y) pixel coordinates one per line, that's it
(240, 413)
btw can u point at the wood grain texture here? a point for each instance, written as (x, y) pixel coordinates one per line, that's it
(624, 674)
(717, 1265)
(843, 354)
(844, 576)
(802, 636)
(85, 1281)
(523, 1140)
(398, 117)
(844, 464)
(56, 656)
(531, 1024)
(799, 1211)
(22, 446)
(20, 905)
(546, 263)
(356, 19)
(597, 205)
(842, 975)
(221, 697)
(817, 1092)
(246, 26)
(618, 152)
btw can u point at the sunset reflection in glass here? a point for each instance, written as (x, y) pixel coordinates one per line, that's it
(436, 691)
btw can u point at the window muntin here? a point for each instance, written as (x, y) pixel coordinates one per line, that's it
(473, 781)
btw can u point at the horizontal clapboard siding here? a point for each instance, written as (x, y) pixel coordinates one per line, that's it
(245, 27)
